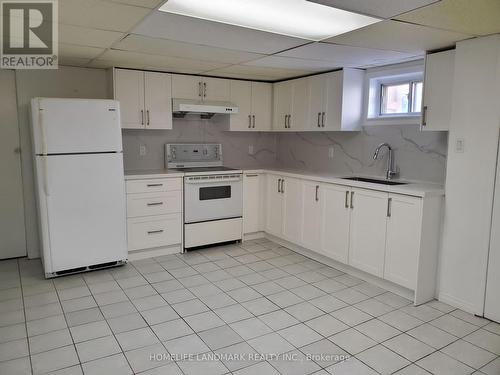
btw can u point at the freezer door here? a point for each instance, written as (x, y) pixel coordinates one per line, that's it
(83, 210)
(75, 125)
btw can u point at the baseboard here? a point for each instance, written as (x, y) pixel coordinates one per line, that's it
(154, 252)
(253, 236)
(458, 303)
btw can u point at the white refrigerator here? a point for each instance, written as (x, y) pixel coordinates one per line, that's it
(80, 184)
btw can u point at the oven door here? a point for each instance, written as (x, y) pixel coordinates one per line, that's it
(212, 197)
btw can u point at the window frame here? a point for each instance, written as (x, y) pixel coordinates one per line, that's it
(411, 87)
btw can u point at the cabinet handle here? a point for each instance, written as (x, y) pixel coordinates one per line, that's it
(317, 192)
(352, 200)
(252, 175)
(389, 207)
(199, 89)
(249, 121)
(204, 89)
(424, 116)
(282, 186)
(319, 115)
(285, 120)
(279, 182)
(142, 116)
(147, 117)
(253, 119)
(155, 231)
(347, 199)
(289, 121)
(155, 204)
(154, 185)
(322, 119)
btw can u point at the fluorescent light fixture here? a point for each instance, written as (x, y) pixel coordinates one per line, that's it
(296, 18)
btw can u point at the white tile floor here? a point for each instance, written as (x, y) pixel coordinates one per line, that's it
(232, 306)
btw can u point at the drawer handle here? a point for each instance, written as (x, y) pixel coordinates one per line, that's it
(154, 185)
(155, 204)
(252, 175)
(155, 231)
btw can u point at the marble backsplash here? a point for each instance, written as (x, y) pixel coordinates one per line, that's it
(419, 155)
(192, 129)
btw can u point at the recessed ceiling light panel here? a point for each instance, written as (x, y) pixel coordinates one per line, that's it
(296, 18)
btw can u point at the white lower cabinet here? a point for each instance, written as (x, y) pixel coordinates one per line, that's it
(154, 216)
(367, 230)
(253, 202)
(274, 203)
(292, 209)
(313, 207)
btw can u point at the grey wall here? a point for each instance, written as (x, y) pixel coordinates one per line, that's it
(65, 82)
(193, 129)
(420, 155)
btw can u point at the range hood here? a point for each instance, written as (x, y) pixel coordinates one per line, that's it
(206, 109)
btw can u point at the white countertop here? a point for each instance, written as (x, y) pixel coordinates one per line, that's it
(413, 188)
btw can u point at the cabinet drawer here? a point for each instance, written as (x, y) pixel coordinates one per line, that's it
(153, 185)
(148, 204)
(155, 231)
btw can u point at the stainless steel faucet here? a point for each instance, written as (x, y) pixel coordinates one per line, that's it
(392, 170)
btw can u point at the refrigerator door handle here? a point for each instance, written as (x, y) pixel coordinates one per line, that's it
(46, 175)
(43, 136)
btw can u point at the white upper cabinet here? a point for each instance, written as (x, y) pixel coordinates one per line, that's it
(438, 86)
(200, 88)
(145, 99)
(282, 105)
(254, 106)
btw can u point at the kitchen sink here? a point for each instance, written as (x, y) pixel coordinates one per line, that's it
(374, 181)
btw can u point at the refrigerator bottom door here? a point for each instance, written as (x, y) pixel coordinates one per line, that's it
(85, 212)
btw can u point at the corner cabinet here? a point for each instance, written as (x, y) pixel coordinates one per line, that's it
(438, 87)
(145, 98)
(254, 101)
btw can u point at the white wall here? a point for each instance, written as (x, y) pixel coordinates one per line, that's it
(66, 82)
(470, 175)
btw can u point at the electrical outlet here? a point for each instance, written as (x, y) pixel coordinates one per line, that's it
(250, 149)
(330, 152)
(460, 145)
(142, 150)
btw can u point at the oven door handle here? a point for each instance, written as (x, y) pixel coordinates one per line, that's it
(221, 181)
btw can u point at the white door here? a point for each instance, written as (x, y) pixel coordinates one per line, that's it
(12, 234)
(282, 99)
(187, 87)
(404, 217)
(292, 209)
(492, 302)
(63, 126)
(300, 104)
(129, 91)
(274, 203)
(313, 215)
(262, 98)
(241, 95)
(368, 231)
(84, 200)
(216, 89)
(252, 203)
(335, 222)
(317, 92)
(158, 100)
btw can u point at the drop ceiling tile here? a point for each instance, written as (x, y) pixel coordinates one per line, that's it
(208, 33)
(399, 36)
(100, 14)
(346, 56)
(257, 72)
(151, 4)
(377, 8)
(281, 62)
(81, 52)
(88, 37)
(477, 17)
(167, 63)
(157, 46)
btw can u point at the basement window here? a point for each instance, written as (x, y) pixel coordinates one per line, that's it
(400, 98)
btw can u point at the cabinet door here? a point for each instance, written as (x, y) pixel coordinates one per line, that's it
(333, 101)
(158, 100)
(300, 105)
(368, 231)
(292, 210)
(274, 203)
(241, 95)
(312, 218)
(282, 95)
(317, 92)
(187, 87)
(252, 203)
(438, 85)
(129, 91)
(335, 221)
(403, 239)
(262, 98)
(216, 89)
